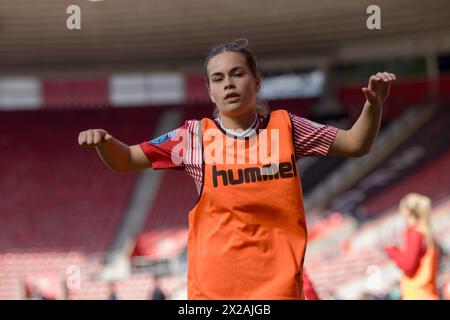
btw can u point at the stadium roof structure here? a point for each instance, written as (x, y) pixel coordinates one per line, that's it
(174, 34)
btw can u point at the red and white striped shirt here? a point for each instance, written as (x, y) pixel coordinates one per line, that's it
(310, 139)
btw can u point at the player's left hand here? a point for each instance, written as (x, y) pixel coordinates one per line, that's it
(377, 90)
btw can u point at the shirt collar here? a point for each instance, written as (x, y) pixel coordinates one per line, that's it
(246, 133)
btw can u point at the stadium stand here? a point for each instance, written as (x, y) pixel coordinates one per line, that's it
(36, 153)
(414, 165)
(38, 233)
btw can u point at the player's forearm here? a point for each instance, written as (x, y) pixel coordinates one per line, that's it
(115, 154)
(365, 130)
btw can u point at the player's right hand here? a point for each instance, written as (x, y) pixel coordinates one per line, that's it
(93, 137)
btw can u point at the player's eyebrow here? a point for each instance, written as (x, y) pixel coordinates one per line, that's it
(231, 71)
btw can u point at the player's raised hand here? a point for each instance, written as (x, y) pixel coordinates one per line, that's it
(93, 137)
(378, 88)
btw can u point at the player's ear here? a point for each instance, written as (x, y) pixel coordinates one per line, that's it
(258, 83)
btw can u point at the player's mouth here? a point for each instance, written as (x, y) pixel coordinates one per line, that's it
(232, 97)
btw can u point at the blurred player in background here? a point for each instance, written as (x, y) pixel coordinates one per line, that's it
(157, 293)
(247, 231)
(419, 259)
(112, 286)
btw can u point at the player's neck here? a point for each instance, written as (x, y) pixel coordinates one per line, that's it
(243, 122)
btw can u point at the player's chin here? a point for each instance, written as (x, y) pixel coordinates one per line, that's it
(232, 109)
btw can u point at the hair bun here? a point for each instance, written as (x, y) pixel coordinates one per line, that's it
(241, 43)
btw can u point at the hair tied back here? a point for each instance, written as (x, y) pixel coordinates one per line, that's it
(241, 43)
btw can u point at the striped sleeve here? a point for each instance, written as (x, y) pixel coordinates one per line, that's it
(194, 158)
(311, 138)
(179, 149)
(160, 150)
